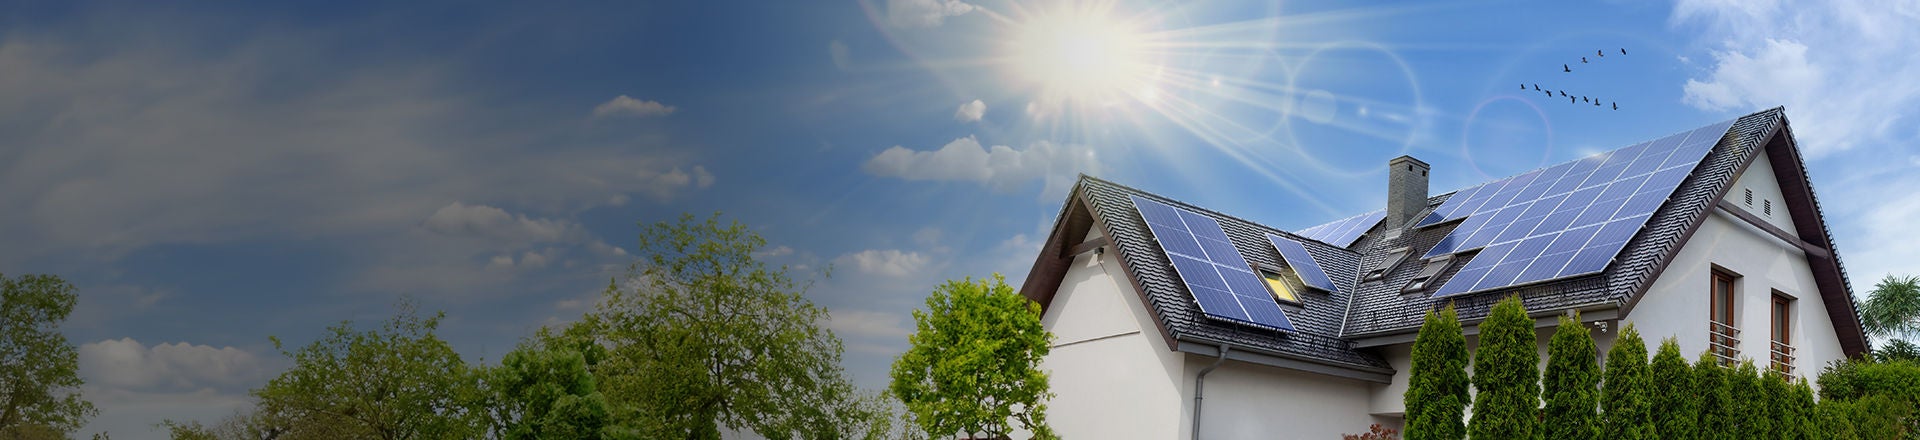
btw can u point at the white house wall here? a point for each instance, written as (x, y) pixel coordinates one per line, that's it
(1110, 370)
(1256, 402)
(1760, 179)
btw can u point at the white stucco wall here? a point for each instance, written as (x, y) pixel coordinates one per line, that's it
(1255, 402)
(1111, 371)
(1759, 177)
(1677, 303)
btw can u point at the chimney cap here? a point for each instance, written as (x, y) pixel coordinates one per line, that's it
(1405, 158)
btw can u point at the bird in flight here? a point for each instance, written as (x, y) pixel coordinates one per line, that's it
(1570, 99)
(1565, 68)
(1601, 53)
(1623, 51)
(1536, 87)
(1596, 103)
(1583, 99)
(1583, 60)
(1616, 105)
(1563, 93)
(1523, 87)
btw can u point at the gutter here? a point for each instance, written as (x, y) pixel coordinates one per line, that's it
(1200, 386)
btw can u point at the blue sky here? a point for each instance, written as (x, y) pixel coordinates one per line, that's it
(214, 174)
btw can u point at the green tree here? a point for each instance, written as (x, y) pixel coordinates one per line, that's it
(541, 391)
(1624, 397)
(1806, 419)
(1893, 307)
(1436, 398)
(1671, 394)
(1897, 350)
(39, 369)
(702, 335)
(1750, 416)
(1506, 374)
(1571, 383)
(1778, 401)
(974, 364)
(1716, 406)
(400, 381)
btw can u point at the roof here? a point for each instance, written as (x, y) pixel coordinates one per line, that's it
(1329, 324)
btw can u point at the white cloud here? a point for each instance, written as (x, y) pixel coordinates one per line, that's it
(664, 185)
(624, 105)
(841, 56)
(459, 219)
(126, 363)
(887, 262)
(1002, 168)
(870, 324)
(924, 13)
(971, 111)
(1844, 69)
(776, 251)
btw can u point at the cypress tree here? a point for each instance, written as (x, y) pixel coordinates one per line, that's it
(1751, 419)
(1436, 395)
(1506, 374)
(1806, 417)
(1571, 385)
(1778, 399)
(1624, 397)
(1710, 383)
(1671, 394)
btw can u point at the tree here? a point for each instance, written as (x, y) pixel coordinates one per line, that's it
(1671, 394)
(1806, 417)
(1505, 372)
(39, 369)
(1893, 307)
(544, 391)
(1571, 383)
(1778, 399)
(1749, 409)
(1716, 406)
(400, 381)
(1897, 350)
(974, 363)
(1436, 398)
(1624, 397)
(702, 335)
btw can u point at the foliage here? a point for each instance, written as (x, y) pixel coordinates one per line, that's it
(1716, 405)
(1893, 307)
(1376, 432)
(1506, 375)
(544, 391)
(1779, 401)
(1571, 384)
(974, 363)
(1897, 350)
(39, 369)
(1898, 383)
(1437, 396)
(1671, 394)
(398, 381)
(1624, 398)
(701, 335)
(1876, 416)
(1750, 415)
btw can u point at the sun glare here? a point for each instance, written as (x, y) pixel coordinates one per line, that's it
(1082, 54)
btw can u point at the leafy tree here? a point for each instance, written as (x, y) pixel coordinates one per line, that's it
(1716, 406)
(1571, 385)
(1624, 396)
(1436, 397)
(1897, 350)
(543, 391)
(400, 381)
(1671, 394)
(1506, 374)
(701, 335)
(974, 363)
(1898, 383)
(39, 379)
(1893, 307)
(1751, 416)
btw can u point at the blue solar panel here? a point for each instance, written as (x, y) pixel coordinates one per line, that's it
(1343, 232)
(1302, 263)
(1587, 212)
(1215, 273)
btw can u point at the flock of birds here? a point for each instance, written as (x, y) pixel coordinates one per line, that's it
(1577, 99)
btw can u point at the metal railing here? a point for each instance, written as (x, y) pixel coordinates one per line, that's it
(1782, 359)
(1723, 341)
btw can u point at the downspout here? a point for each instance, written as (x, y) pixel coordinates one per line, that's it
(1200, 385)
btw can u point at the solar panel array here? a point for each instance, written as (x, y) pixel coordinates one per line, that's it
(1567, 220)
(1302, 262)
(1213, 270)
(1343, 232)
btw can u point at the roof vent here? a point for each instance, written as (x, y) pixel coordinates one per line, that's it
(1406, 190)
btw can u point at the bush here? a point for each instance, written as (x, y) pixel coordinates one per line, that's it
(1715, 408)
(1624, 396)
(1506, 375)
(1671, 392)
(1571, 384)
(1894, 388)
(1436, 395)
(1749, 408)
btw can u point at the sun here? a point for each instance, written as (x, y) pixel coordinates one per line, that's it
(1082, 52)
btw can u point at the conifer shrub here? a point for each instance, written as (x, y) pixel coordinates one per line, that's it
(1506, 375)
(1623, 396)
(1436, 395)
(1571, 383)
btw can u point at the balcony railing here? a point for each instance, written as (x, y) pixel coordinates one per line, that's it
(1723, 341)
(1782, 359)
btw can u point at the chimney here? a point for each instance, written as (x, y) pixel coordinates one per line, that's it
(1406, 190)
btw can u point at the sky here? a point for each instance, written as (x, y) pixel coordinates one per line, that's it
(211, 175)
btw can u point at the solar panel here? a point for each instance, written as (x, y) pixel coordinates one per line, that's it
(1220, 279)
(1302, 262)
(1343, 232)
(1568, 220)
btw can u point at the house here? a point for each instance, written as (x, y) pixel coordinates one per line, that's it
(1712, 236)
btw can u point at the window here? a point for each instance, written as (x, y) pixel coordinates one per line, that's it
(1781, 354)
(1285, 288)
(1749, 192)
(1386, 266)
(1723, 337)
(1421, 280)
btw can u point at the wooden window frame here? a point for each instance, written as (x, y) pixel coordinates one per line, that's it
(1782, 328)
(1293, 285)
(1732, 297)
